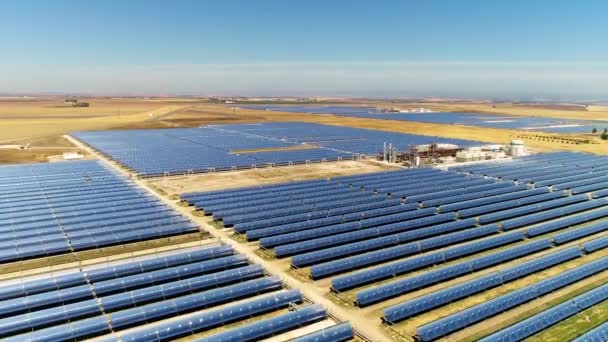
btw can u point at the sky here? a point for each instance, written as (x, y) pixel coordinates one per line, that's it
(531, 49)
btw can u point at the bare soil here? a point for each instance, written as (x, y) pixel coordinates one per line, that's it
(176, 185)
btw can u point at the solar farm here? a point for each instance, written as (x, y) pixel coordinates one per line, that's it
(203, 291)
(64, 208)
(504, 249)
(534, 124)
(436, 254)
(213, 148)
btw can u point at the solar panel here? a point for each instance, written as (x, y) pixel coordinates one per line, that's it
(427, 302)
(510, 300)
(129, 299)
(158, 152)
(549, 317)
(73, 206)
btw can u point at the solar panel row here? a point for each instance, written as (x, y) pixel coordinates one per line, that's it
(502, 303)
(65, 207)
(424, 303)
(258, 330)
(336, 333)
(397, 288)
(383, 255)
(139, 294)
(549, 317)
(373, 238)
(561, 170)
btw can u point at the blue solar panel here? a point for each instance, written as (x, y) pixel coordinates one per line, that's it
(427, 302)
(552, 213)
(459, 320)
(505, 214)
(468, 193)
(549, 317)
(506, 204)
(396, 288)
(336, 333)
(206, 320)
(98, 300)
(288, 238)
(380, 241)
(371, 258)
(258, 330)
(224, 147)
(65, 207)
(565, 222)
(595, 244)
(565, 169)
(578, 233)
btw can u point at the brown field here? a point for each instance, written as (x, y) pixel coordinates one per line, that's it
(49, 108)
(176, 185)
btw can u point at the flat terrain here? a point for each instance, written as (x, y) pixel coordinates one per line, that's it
(565, 111)
(173, 186)
(41, 122)
(366, 320)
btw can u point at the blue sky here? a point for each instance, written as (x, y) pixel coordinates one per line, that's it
(464, 48)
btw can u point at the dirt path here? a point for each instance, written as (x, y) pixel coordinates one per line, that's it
(371, 330)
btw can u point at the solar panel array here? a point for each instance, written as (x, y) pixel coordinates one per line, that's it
(57, 208)
(551, 316)
(528, 123)
(226, 147)
(208, 292)
(510, 300)
(577, 172)
(383, 236)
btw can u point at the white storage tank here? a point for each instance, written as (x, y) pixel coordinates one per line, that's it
(492, 148)
(470, 155)
(518, 148)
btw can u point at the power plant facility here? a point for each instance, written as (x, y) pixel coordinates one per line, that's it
(444, 153)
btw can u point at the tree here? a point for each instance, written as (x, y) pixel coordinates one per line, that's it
(594, 130)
